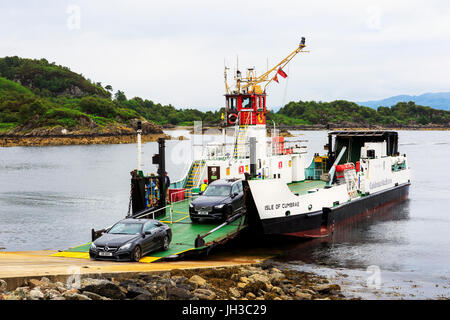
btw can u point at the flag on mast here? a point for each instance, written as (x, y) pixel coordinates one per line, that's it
(282, 73)
(275, 78)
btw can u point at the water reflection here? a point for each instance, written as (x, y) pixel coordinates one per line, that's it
(357, 244)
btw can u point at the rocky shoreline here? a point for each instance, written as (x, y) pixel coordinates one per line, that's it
(255, 282)
(31, 141)
(114, 133)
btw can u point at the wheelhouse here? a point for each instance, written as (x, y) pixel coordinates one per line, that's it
(245, 109)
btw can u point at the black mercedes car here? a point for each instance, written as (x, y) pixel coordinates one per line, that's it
(131, 239)
(220, 200)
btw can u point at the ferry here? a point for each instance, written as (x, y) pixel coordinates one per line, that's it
(360, 172)
(283, 192)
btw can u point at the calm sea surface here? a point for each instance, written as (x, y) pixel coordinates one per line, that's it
(51, 197)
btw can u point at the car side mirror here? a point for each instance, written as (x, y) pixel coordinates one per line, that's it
(200, 193)
(148, 232)
(234, 195)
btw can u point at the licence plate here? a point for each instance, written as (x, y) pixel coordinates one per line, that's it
(203, 212)
(105, 254)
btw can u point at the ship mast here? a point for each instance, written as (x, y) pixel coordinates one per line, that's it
(246, 102)
(252, 83)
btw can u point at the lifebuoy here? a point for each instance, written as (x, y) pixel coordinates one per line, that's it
(232, 117)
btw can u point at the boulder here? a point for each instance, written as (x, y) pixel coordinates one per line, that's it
(143, 296)
(75, 296)
(59, 284)
(43, 283)
(178, 279)
(303, 296)
(22, 292)
(204, 294)
(178, 293)
(104, 288)
(308, 291)
(277, 290)
(250, 296)
(235, 292)
(157, 292)
(3, 286)
(126, 283)
(276, 278)
(94, 296)
(235, 277)
(61, 289)
(327, 288)
(53, 294)
(244, 279)
(289, 288)
(199, 281)
(71, 291)
(245, 272)
(275, 270)
(259, 277)
(36, 294)
(254, 287)
(133, 291)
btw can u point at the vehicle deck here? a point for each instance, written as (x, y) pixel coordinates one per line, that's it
(184, 233)
(302, 187)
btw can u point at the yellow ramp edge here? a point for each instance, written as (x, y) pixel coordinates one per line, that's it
(79, 255)
(149, 259)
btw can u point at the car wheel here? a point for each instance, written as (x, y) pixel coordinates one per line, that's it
(194, 220)
(166, 243)
(137, 254)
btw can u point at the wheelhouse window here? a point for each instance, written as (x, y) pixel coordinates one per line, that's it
(232, 105)
(260, 104)
(246, 102)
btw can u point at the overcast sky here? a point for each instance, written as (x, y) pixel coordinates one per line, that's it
(174, 51)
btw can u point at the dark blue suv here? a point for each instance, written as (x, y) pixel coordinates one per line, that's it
(220, 200)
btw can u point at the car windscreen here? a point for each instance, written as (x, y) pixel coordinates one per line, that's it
(217, 191)
(126, 228)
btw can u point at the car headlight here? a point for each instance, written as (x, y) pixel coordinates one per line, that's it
(93, 246)
(219, 206)
(125, 246)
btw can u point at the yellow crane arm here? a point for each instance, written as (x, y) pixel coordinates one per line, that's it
(265, 76)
